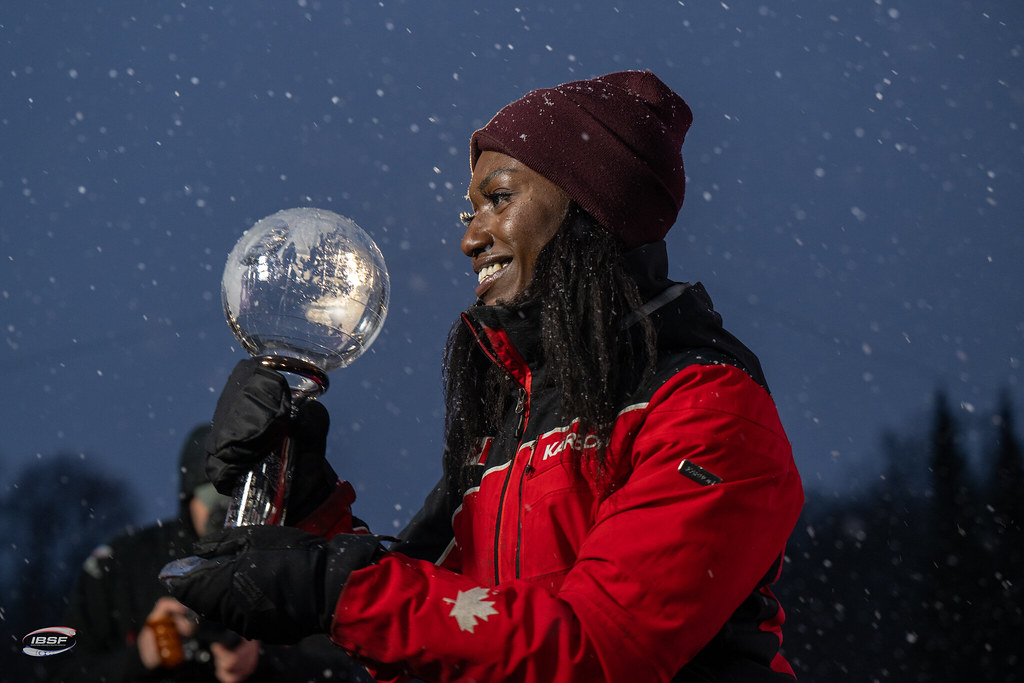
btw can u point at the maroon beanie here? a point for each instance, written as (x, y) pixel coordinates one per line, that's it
(612, 143)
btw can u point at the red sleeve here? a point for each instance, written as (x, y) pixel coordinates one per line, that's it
(666, 563)
(334, 515)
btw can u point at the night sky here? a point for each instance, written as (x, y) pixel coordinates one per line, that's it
(854, 206)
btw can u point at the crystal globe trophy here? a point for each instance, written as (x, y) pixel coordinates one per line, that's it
(305, 292)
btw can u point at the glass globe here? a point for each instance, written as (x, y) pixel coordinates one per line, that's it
(306, 285)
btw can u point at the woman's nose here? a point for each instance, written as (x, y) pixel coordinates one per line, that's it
(476, 239)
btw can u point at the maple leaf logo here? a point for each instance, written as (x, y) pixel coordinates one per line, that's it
(468, 606)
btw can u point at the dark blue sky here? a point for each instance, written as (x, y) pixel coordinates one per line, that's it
(854, 207)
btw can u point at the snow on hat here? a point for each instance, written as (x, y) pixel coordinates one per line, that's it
(612, 143)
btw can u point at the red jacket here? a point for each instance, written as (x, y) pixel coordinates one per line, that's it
(657, 567)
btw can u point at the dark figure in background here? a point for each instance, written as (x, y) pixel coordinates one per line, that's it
(618, 489)
(121, 611)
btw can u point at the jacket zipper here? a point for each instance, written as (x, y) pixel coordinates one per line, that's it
(521, 412)
(519, 532)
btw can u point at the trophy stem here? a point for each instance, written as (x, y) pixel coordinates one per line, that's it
(262, 496)
(305, 379)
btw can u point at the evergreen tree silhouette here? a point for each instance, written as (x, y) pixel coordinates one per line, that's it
(901, 560)
(1007, 480)
(1005, 592)
(950, 584)
(920, 578)
(949, 481)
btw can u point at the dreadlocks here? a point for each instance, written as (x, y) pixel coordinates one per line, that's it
(593, 358)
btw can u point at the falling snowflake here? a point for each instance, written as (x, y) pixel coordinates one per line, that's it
(468, 606)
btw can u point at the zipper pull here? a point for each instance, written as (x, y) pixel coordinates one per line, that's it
(521, 402)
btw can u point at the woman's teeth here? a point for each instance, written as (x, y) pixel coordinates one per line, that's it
(488, 271)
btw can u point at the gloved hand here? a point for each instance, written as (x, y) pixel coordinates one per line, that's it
(252, 417)
(274, 583)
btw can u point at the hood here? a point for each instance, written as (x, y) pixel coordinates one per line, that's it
(683, 314)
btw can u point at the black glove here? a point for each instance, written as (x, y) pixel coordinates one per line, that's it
(252, 417)
(275, 583)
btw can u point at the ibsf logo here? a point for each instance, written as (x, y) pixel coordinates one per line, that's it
(48, 641)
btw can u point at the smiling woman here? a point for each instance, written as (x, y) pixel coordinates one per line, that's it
(618, 487)
(516, 211)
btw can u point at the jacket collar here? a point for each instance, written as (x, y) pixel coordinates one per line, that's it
(510, 336)
(682, 313)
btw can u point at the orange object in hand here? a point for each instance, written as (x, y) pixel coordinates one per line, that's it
(168, 641)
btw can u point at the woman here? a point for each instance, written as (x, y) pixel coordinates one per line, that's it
(618, 489)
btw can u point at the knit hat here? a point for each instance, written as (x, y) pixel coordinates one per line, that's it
(612, 143)
(192, 462)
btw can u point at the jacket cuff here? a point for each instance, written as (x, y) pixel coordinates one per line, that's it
(334, 515)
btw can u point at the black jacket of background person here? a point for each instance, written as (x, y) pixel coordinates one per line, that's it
(115, 592)
(118, 587)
